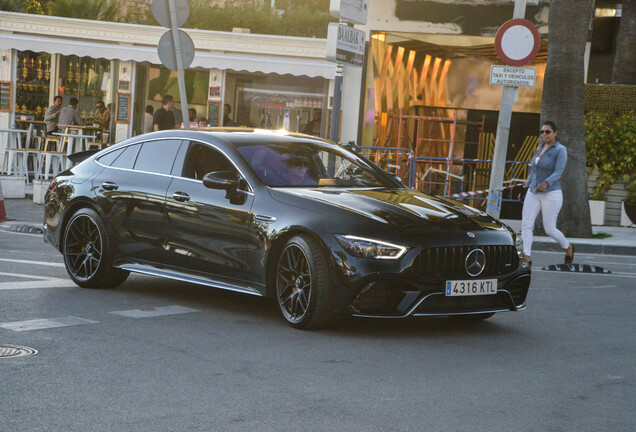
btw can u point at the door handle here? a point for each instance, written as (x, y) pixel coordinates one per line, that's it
(110, 185)
(181, 196)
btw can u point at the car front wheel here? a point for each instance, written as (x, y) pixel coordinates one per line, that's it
(303, 286)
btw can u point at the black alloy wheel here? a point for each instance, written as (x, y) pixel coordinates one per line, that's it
(87, 252)
(303, 289)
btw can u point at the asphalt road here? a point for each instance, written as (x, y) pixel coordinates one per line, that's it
(156, 355)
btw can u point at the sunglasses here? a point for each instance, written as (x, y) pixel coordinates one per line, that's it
(101, 106)
(547, 132)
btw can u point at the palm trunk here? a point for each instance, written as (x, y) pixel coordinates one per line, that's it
(568, 27)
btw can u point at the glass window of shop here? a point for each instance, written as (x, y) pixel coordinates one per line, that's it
(87, 79)
(33, 84)
(272, 101)
(154, 82)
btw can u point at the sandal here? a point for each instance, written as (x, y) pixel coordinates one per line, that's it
(569, 254)
(527, 258)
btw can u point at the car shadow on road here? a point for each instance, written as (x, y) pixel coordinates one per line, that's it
(241, 307)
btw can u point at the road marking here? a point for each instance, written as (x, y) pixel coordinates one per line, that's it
(39, 282)
(158, 311)
(39, 324)
(605, 275)
(50, 264)
(574, 287)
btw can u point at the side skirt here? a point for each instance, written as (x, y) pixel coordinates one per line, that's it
(170, 274)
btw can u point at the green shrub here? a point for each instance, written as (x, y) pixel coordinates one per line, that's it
(610, 145)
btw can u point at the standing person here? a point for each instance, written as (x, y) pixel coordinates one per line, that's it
(227, 120)
(69, 114)
(203, 122)
(313, 126)
(164, 118)
(544, 191)
(148, 118)
(102, 116)
(52, 114)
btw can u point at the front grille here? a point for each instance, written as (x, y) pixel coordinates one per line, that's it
(449, 262)
(384, 298)
(518, 289)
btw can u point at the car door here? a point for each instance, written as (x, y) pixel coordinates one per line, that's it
(207, 227)
(131, 190)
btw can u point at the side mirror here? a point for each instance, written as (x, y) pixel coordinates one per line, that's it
(226, 180)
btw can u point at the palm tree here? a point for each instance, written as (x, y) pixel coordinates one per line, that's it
(568, 28)
(99, 10)
(624, 71)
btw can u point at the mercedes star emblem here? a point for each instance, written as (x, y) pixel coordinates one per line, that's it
(475, 262)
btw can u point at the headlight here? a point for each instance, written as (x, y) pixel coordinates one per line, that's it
(372, 249)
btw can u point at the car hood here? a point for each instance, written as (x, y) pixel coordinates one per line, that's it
(404, 208)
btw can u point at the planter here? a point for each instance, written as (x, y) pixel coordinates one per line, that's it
(628, 214)
(13, 186)
(597, 212)
(39, 190)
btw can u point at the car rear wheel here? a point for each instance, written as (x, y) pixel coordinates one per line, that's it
(303, 286)
(87, 252)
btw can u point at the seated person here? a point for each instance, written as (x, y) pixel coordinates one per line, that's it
(297, 173)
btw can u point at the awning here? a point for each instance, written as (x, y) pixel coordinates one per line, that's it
(223, 61)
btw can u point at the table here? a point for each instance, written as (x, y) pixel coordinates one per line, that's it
(34, 128)
(12, 135)
(73, 140)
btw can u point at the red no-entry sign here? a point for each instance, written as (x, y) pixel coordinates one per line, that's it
(517, 42)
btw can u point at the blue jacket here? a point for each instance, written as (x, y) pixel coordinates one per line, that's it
(549, 168)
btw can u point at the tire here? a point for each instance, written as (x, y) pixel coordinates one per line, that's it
(88, 252)
(303, 286)
(471, 317)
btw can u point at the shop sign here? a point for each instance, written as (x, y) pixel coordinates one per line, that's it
(6, 94)
(345, 44)
(512, 76)
(354, 11)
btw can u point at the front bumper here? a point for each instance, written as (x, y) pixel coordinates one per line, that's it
(412, 286)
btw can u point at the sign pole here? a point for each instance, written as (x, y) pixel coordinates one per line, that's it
(180, 78)
(493, 205)
(337, 96)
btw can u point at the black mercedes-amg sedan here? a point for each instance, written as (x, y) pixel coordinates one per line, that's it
(307, 222)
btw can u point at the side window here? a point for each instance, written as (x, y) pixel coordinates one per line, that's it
(108, 158)
(157, 156)
(202, 159)
(126, 158)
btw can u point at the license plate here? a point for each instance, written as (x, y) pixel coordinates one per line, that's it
(471, 287)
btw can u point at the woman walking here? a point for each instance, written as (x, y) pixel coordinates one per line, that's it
(544, 191)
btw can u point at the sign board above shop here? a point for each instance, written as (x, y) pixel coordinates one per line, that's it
(355, 11)
(512, 76)
(345, 44)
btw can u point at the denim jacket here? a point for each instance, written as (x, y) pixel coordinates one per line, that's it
(549, 168)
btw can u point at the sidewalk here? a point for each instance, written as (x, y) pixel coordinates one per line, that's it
(29, 216)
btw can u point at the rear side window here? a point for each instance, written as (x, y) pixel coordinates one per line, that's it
(127, 157)
(157, 156)
(108, 158)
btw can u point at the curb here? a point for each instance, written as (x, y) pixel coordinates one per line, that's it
(601, 249)
(22, 227)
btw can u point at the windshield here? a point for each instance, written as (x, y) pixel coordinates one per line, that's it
(310, 164)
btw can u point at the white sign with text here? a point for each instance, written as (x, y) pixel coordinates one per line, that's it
(512, 76)
(345, 44)
(354, 11)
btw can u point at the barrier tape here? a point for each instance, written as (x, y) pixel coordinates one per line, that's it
(479, 192)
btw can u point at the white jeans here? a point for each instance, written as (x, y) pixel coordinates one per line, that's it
(549, 204)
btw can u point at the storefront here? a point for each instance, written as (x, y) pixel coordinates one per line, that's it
(267, 81)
